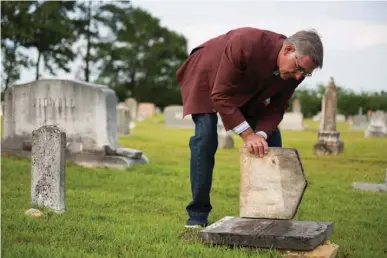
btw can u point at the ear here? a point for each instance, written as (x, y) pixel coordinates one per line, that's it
(289, 49)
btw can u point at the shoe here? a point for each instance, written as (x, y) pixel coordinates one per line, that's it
(195, 224)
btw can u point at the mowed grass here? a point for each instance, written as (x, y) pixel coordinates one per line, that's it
(140, 212)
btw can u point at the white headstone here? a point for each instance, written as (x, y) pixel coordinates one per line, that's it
(292, 121)
(48, 168)
(123, 119)
(378, 125)
(173, 117)
(86, 112)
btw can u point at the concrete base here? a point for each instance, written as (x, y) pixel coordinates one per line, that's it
(325, 250)
(94, 159)
(267, 233)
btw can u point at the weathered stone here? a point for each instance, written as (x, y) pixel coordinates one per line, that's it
(370, 187)
(131, 103)
(173, 117)
(296, 106)
(48, 168)
(33, 213)
(325, 250)
(145, 109)
(85, 112)
(328, 137)
(292, 121)
(123, 119)
(267, 233)
(225, 139)
(272, 186)
(378, 125)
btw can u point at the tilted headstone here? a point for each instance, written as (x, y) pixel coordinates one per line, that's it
(123, 119)
(173, 117)
(328, 137)
(271, 190)
(378, 125)
(48, 172)
(85, 112)
(271, 187)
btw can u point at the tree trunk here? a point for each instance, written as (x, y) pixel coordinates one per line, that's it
(37, 66)
(87, 58)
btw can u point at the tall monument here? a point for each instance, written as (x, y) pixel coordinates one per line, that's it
(328, 137)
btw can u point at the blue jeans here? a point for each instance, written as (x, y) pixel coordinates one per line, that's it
(203, 146)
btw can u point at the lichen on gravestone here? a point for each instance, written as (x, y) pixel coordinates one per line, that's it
(48, 168)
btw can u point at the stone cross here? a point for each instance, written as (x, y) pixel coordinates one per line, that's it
(48, 168)
(328, 136)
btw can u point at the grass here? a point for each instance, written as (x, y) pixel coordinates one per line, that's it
(140, 212)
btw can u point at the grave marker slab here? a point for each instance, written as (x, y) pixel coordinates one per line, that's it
(123, 119)
(85, 112)
(173, 117)
(378, 125)
(267, 233)
(272, 186)
(48, 173)
(292, 121)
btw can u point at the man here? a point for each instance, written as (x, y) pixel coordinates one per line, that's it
(233, 74)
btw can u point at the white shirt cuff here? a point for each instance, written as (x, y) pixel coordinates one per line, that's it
(263, 134)
(241, 127)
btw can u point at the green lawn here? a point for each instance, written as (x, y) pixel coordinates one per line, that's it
(140, 212)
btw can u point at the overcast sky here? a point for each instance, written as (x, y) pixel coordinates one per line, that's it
(354, 34)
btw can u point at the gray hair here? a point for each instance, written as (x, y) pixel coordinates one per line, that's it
(308, 43)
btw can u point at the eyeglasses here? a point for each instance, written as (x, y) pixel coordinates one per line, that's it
(302, 70)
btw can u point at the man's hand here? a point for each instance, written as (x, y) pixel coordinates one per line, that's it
(255, 143)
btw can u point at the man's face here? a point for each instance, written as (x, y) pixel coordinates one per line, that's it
(291, 66)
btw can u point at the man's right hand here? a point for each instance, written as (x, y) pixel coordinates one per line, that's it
(255, 143)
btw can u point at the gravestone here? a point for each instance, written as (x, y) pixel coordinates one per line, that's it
(123, 119)
(132, 105)
(145, 110)
(328, 137)
(48, 175)
(85, 112)
(371, 187)
(266, 233)
(292, 121)
(378, 125)
(271, 187)
(225, 138)
(359, 121)
(173, 117)
(271, 190)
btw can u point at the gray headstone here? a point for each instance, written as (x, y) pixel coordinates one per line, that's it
(359, 122)
(48, 168)
(225, 139)
(371, 187)
(85, 112)
(272, 186)
(292, 121)
(328, 137)
(378, 125)
(173, 117)
(266, 233)
(296, 106)
(132, 105)
(123, 119)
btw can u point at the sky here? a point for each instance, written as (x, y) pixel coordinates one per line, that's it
(354, 34)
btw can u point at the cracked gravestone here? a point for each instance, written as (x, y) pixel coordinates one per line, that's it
(48, 176)
(271, 189)
(273, 186)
